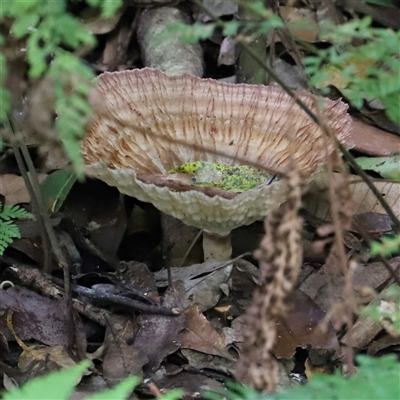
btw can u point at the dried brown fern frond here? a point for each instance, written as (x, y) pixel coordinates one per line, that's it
(342, 313)
(280, 257)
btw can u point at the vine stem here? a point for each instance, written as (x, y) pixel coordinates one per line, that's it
(349, 158)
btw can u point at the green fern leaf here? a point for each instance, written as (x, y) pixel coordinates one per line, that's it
(13, 212)
(8, 230)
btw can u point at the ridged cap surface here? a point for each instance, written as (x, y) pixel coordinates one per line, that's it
(148, 123)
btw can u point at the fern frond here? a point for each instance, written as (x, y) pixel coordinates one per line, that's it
(13, 212)
(8, 230)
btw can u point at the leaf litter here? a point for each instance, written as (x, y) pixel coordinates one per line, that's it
(199, 346)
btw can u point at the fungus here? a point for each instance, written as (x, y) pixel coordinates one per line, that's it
(149, 124)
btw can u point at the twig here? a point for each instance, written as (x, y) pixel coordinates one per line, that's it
(191, 247)
(35, 205)
(33, 277)
(33, 183)
(106, 297)
(222, 265)
(340, 218)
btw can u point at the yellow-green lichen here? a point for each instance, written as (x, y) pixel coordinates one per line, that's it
(225, 177)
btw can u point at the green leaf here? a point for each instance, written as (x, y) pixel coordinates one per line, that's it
(8, 232)
(192, 33)
(388, 245)
(391, 102)
(24, 24)
(387, 309)
(55, 188)
(387, 167)
(385, 3)
(55, 386)
(376, 378)
(4, 103)
(271, 23)
(36, 55)
(231, 28)
(108, 7)
(60, 385)
(259, 8)
(8, 229)
(17, 8)
(14, 212)
(172, 395)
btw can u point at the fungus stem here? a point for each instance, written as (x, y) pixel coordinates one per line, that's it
(216, 247)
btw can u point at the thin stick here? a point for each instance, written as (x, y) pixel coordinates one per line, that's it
(191, 247)
(41, 210)
(35, 205)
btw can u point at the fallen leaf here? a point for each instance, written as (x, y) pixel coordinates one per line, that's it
(37, 317)
(227, 55)
(41, 360)
(218, 7)
(301, 327)
(383, 345)
(201, 281)
(387, 167)
(301, 22)
(159, 335)
(93, 21)
(121, 359)
(136, 276)
(292, 75)
(13, 188)
(199, 335)
(326, 289)
(373, 141)
(177, 238)
(373, 222)
(199, 361)
(191, 382)
(363, 200)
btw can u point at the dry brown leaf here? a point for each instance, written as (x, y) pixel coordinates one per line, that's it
(191, 382)
(159, 335)
(301, 22)
(14, 189)
(373, 141)
(201, 336)
(37, 317)
(201, 361)
(121, 359)
(317, 199)
(39, 360)
(326, 289)
(137, 277)
(373, 222)
(301, 327)
(92, 20)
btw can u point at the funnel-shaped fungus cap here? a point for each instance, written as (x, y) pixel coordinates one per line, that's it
(149, 124)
